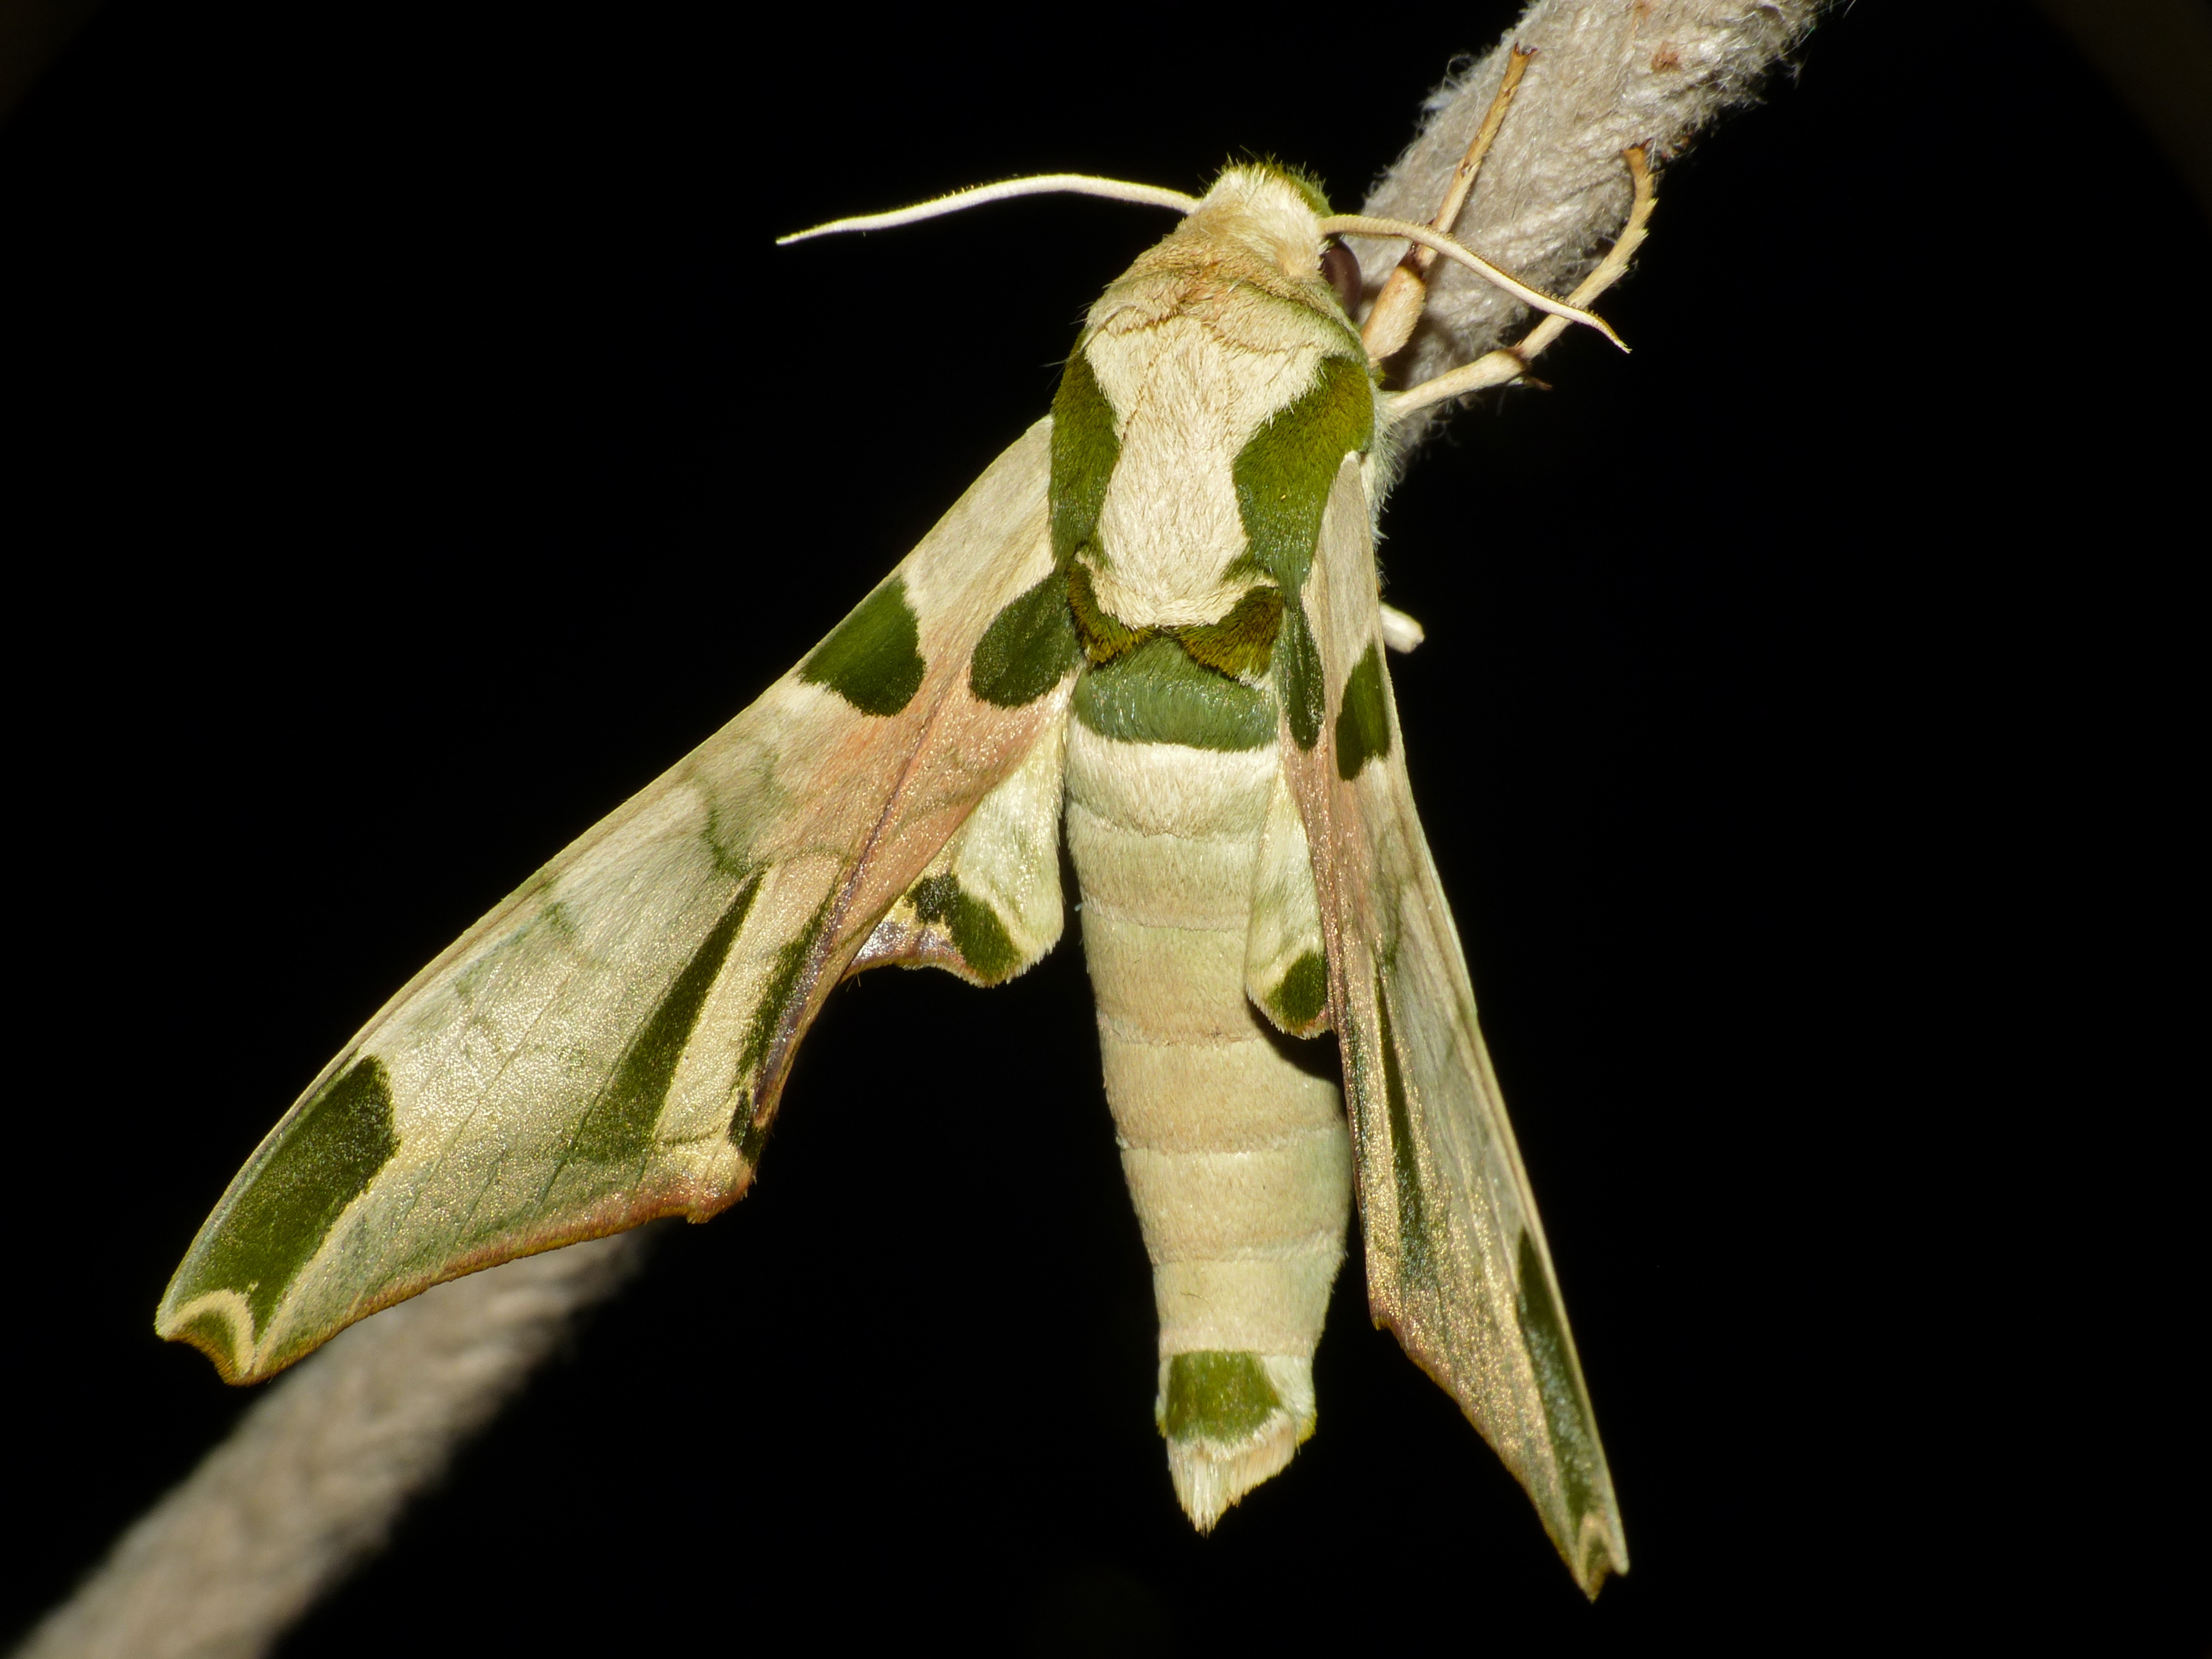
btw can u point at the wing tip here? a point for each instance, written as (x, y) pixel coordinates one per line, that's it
(220, 1322)
(1602, 1550)
(214, 1330)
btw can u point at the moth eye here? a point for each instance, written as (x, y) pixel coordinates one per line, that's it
(1342, 271)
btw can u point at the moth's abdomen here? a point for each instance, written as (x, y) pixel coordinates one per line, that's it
(1234, 1146)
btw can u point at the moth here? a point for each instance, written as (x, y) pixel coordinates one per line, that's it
(1152, 626)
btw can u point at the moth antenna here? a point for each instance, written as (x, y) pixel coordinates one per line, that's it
(1041, 183)
(1359, 224)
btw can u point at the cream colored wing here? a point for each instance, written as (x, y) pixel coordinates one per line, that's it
(608, 1044)
(1456, 1262)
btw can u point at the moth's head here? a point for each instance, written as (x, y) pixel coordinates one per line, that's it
(1267, 211)
(1275, 213)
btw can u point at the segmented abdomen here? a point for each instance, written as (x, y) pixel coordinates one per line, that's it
(1233, 1141)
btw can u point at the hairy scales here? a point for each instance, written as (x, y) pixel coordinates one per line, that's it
(1204, 415)
(1237, 1156)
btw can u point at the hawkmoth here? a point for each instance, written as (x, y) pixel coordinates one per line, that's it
(1153, 622)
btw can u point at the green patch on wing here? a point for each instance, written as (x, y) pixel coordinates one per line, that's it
(1027, 649)
(1084, 452)
(726, 841)
(1416, 1265)
(1298, 678)
(1303, 996)
(1222, 1397)
(1566, 1411)
(786, 981)
(1362, 724)
(873, 658)
(977, 933)
(320, 1162)
(1284, 472)
(618, 1128)
(1157, 693)
(212, 1333)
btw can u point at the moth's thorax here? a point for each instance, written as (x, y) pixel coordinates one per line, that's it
(1209, 336)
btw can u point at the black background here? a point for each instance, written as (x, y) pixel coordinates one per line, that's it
(419, 445)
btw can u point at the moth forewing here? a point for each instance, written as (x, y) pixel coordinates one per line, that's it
(1457, 1265)
(609, 1045)
(1285, 956)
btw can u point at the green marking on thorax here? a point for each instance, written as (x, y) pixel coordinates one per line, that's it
(977, 933)
(1363, 725)
(320, 1162)
(1566, 1411)
(1104, 635)
(1084, 451)
(783, 985)
(1303, 996)
(1285, 471)
(1283, 477)
(1242, 642)
(1027, 649)
(1222, 1397)
(1414, 1253)
(1157, 693)
(618, 1126)
(873, 658)
(1032, 643)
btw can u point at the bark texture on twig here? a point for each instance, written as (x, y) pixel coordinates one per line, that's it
(1607, 74)
(313, 1477)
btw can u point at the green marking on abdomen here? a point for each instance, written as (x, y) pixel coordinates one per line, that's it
(1157, 693)
(1223, 1397)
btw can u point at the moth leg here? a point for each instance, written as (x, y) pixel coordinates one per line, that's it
(1398, 304)
(1511, 362)
(1400, 631)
